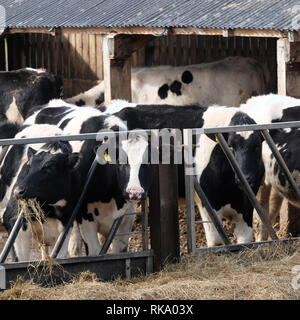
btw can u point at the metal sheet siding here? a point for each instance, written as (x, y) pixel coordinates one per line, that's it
(254, 14)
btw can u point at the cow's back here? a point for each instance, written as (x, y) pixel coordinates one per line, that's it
(229, 82)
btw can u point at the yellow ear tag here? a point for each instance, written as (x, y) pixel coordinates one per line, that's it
(217, 140)
(107, 157)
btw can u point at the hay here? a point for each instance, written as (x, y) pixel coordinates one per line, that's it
(262, 273)
(35, 216)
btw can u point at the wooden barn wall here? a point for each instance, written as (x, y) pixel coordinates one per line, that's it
(77, 57)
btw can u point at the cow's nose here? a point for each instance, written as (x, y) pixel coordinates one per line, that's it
(135, 193)
(19, 192)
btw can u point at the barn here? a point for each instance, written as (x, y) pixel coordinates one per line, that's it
(87, 42)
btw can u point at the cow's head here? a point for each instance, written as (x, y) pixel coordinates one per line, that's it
(247, 149)
(131, 166)
(47, 177)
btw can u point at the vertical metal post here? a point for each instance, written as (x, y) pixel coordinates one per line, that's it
(12, 237)
(263, 216)
(145, 234)
(6, 53)
(189, 189)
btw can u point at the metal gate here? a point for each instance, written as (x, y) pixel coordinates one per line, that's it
(105, 266)
(192, 185)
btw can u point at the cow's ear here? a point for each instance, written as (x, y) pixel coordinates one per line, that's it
(73, 160)
(30, 152)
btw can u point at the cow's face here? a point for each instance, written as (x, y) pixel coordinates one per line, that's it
(134, 175)
(48, 177)
(247, 149)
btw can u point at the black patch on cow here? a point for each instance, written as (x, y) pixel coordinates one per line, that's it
(102, 108)
(163, 116)
(100, 99)
(187, 77)
(163, 91)
(96, 211)
(52, 115)
(80, 103)
(64, 123)
(88, 216)
(176, 87)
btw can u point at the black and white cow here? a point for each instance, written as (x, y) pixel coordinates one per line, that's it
(12, 167)
(274, 108)
(214, 173)
(21, 91)
(113, 189)
(230, 82)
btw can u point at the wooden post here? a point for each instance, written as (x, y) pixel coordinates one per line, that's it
(117, 69)
(163, 215)
(283, 56)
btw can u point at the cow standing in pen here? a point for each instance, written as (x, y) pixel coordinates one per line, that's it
(114, 188)
(214, 173)
(275, 108)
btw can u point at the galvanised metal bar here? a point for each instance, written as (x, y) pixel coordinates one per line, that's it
(211, 212)
(98, 135)
(248, 127)
(12, 237)
(280, 161)
(246, 187)
(242, 246)
(62, 236)
(145, 224)
(76, 137)
(112, 232)
(189, 190)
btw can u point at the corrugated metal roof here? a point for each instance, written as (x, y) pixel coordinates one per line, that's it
(249, 14)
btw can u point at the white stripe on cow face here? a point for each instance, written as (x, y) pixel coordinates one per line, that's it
(135, 149)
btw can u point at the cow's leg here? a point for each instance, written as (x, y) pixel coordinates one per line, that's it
(120, 243)
(89, 234)
(242, 230)
(23, 243)
(276, 200)
(263, 197)
(63, 252)
(212, 235)
(75, 243)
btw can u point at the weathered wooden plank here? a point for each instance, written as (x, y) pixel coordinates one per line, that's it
(78, 57)
(178, 51)
(99, 56)
(86, 71)
(39, 50)
(92, 56)
(72, 44)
